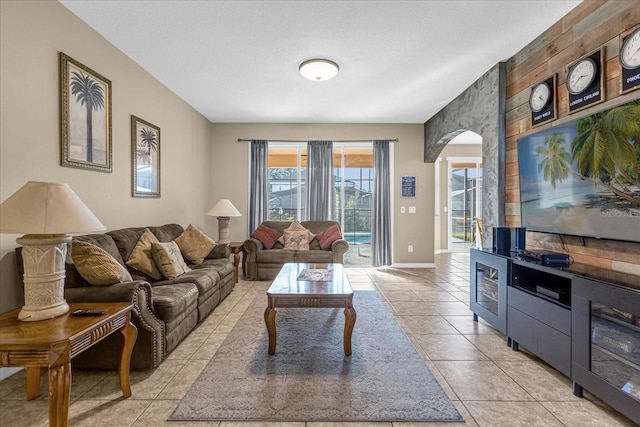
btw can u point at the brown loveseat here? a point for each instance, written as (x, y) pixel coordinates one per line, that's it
(261, 263)
(164, 311)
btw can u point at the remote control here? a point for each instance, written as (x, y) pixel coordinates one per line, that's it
(88, 312)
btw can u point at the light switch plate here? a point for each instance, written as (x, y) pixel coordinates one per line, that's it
(412, 209)
(402, 209)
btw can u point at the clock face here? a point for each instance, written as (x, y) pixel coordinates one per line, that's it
(630, 51)
(581, 76)
(540, 96)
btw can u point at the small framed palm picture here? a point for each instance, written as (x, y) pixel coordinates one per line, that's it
(145, 158)
(85, 117)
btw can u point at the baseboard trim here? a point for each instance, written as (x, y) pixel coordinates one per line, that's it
(413, 265)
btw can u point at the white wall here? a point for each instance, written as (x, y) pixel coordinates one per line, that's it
(31, 35)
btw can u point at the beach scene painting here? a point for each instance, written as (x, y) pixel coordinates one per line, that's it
(581, 178)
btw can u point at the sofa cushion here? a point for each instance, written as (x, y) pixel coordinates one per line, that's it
(275, 256)
(141, 258)
(267, 236)
(327, 237)
(169, 259)
(194, 244)
(96, 265)
(167, 232)
(297, 237)
(313, 256)
(175, 300)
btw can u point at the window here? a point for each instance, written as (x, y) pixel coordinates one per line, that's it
(353, 172)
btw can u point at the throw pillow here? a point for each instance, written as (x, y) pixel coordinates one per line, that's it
(194, 244)
(96, 265)
(169, 259)
(267, 236)
(328, 236)
(297, 237)
(141, 258)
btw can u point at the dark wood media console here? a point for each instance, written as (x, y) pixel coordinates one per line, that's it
(582, 320)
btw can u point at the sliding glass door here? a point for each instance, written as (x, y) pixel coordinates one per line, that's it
(353, 169)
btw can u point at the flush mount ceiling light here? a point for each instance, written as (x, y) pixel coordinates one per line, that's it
(319, 69)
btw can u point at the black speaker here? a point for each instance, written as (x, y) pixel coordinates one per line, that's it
(501, 240)
(518, 239)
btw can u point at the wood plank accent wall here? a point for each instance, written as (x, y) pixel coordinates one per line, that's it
(590, 26)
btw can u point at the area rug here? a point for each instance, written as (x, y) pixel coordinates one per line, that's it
(309, 378)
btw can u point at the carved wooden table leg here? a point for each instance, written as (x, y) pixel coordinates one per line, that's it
(270, 320)
(33, 382)
(59, 386)
(349, 323)
(129, 334)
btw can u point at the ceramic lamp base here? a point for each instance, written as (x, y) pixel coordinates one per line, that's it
(43, 258)
(223, 230)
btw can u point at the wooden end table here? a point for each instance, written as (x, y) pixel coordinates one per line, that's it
(236, 250)
(287, 291)
(52, 343)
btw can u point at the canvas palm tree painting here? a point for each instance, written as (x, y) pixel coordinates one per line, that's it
(145, 154)
(85, 117)
(583, 177)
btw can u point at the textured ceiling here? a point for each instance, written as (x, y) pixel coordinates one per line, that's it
(237, 61)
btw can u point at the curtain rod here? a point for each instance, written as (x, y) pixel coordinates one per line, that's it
(306, 140)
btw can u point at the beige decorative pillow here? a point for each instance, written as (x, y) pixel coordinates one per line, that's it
(169, 259)
(194, 244)
(297, 237)
(141, 258)
(96, 265)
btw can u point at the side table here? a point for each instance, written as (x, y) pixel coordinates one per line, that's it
(236, 250)
(52, 343)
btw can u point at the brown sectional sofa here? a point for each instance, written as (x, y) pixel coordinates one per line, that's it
(164, 311)
(264, 264)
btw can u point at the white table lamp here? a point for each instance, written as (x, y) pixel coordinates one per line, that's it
(224, 210)
(45, 212)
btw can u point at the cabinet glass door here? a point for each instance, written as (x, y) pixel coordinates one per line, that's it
(615, 348)
(487, 287)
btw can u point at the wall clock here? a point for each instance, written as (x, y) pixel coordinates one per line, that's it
(581, 75)
(542, 101)
(630, 51)
(629, 58)
(540, 97)
(585, 81)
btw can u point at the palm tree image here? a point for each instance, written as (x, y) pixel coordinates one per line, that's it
(90, 94)
(147, 143)
(556, 161)
(605, 150)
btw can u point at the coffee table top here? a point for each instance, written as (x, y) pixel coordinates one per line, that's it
(287, 282)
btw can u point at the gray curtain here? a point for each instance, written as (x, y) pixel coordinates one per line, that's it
(258, 194)
(381, 216)
(320, 190)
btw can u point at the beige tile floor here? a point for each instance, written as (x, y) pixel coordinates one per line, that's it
(490, 384)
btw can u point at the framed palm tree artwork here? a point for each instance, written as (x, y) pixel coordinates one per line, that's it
(85, 117)
(145, 158)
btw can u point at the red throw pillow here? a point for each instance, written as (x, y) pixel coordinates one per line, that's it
(266, 235)
(328, 236)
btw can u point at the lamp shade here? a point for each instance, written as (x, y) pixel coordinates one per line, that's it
(224, 207)
(46, 208)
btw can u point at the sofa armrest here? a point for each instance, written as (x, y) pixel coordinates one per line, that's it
(219, 251)
(150, 347)
(251, 248)
(340, 246)
(253, 245)
(125, 291)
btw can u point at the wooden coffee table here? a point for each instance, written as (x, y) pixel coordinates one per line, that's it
(331, 291)
(52, 343)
